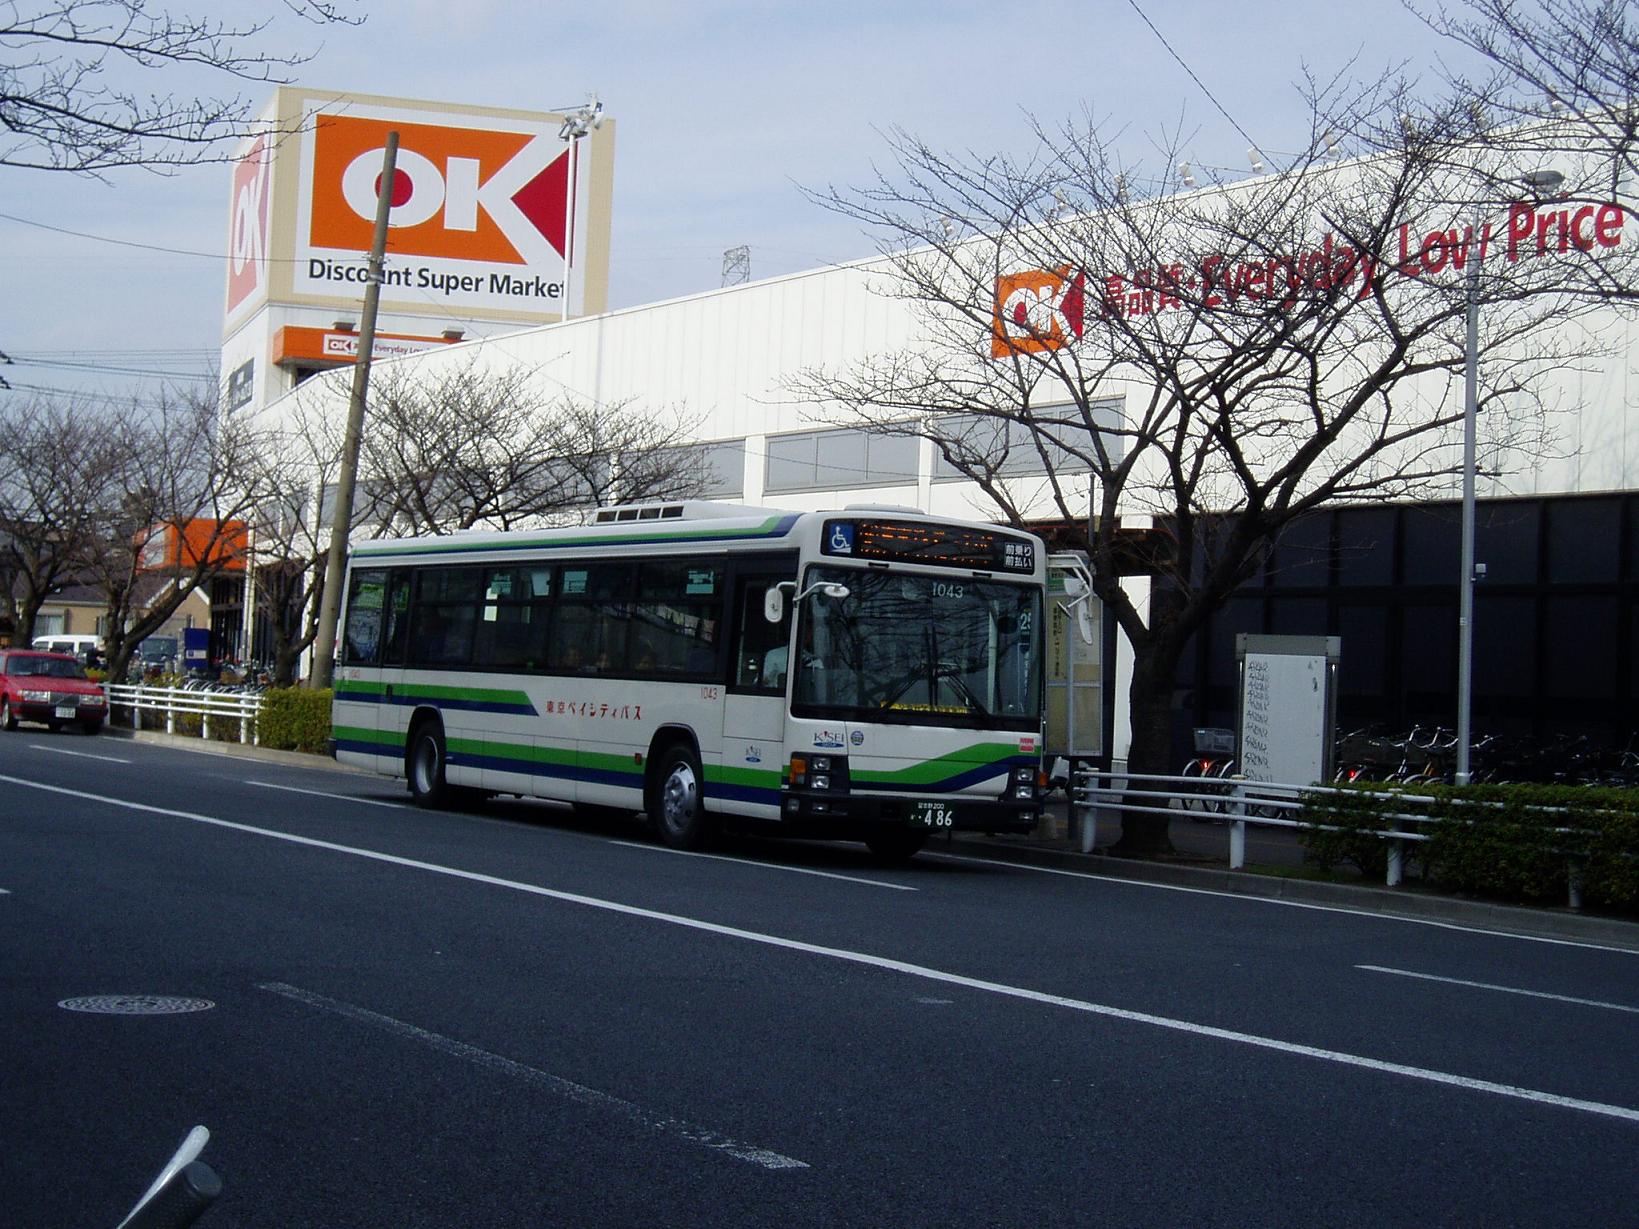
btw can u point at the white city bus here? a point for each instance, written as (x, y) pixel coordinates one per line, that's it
(868, 674)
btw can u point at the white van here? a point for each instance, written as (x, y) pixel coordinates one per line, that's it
(86, 648)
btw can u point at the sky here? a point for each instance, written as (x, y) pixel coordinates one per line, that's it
(726, 111)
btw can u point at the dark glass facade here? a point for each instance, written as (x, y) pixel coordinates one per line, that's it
(1555, 618)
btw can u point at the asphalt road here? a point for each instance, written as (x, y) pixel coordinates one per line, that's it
(517, 1018)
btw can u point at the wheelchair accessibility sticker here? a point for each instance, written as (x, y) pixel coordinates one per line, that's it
(841, 540)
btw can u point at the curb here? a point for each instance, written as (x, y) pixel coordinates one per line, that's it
(1542, 923)
(201, 746)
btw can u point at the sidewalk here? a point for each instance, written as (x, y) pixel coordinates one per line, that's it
(1275, 863)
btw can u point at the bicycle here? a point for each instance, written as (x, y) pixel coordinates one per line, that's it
(1213, 799)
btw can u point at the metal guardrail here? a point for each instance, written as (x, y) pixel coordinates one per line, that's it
(1239, 802)
(242, 706)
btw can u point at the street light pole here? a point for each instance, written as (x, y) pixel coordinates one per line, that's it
(1541, 183)
(1465, 613)
(576, 124)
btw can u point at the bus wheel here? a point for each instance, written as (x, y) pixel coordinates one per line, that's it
(425, 761)
(895, 844)
(676, 809)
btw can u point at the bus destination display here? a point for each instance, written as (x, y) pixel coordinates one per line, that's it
(949, 546)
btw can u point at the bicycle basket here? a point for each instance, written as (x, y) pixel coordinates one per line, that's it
(1210, 740)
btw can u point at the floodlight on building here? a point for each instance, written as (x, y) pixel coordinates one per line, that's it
(578, 122)
(1255, 158)
(1184, 175)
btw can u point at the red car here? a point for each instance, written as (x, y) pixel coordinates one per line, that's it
(48, 687)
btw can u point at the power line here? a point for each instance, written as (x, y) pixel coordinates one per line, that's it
(115, 369)
(132, 243)
(1210, 96)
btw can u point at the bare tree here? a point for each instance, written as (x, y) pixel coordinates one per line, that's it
(68, 98)
(467, 446)
(290, 537)
(187, 480)
(1217, 363)
(57, 468)
(458, 448)
(1573, 63)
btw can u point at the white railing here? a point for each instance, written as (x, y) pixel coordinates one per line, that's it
(175, 701)
(1239, 802)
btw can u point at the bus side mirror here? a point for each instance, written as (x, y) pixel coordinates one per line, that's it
(774, 603)
(1074, 587)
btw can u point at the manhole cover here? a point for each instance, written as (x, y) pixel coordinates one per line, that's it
(136, 1004)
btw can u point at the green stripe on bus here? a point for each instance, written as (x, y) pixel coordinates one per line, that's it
(931, 772)
(642, 531)
(733, 774)
(360, 734)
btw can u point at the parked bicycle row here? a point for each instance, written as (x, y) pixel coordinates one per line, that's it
(1428, 755)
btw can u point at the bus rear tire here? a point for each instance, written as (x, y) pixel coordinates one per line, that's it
(677, 806)
(895, 844)
(424, 763)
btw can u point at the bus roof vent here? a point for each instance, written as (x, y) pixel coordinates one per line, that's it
(683, 510)
(899, 508)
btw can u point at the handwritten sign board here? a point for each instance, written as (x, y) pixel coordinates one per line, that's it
(1287, 705)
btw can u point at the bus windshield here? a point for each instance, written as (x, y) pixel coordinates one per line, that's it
(917, 649)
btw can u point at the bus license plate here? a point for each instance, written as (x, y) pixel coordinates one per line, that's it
(67, 710)
(926, 814)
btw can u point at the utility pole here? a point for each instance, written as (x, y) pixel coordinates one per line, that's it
(341, 517)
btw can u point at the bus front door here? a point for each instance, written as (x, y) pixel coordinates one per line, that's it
(748, 780)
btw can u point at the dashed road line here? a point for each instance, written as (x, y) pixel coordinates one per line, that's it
(1251, 899)
(319, 793)
(1480, 985)
(84, 755)
(768, 866)
(578, 1093)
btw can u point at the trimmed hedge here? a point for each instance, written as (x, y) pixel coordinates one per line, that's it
(295, 719)
(1507, 842)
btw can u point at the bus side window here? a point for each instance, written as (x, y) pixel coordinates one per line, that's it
(397, 619)
(761, 648)
(361, 641)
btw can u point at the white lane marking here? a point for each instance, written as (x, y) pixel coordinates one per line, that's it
(84, 755)
(879, 962)
(767, 866)
(1288, 904)
(578, 1093)
(1480, 985)
(800, 870)
(319, 793)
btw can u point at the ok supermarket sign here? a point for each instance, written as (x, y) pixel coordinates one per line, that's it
(480, 212)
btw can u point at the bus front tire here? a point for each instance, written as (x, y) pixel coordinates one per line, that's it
(895, 844)
(677, 810)
(424, 762)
